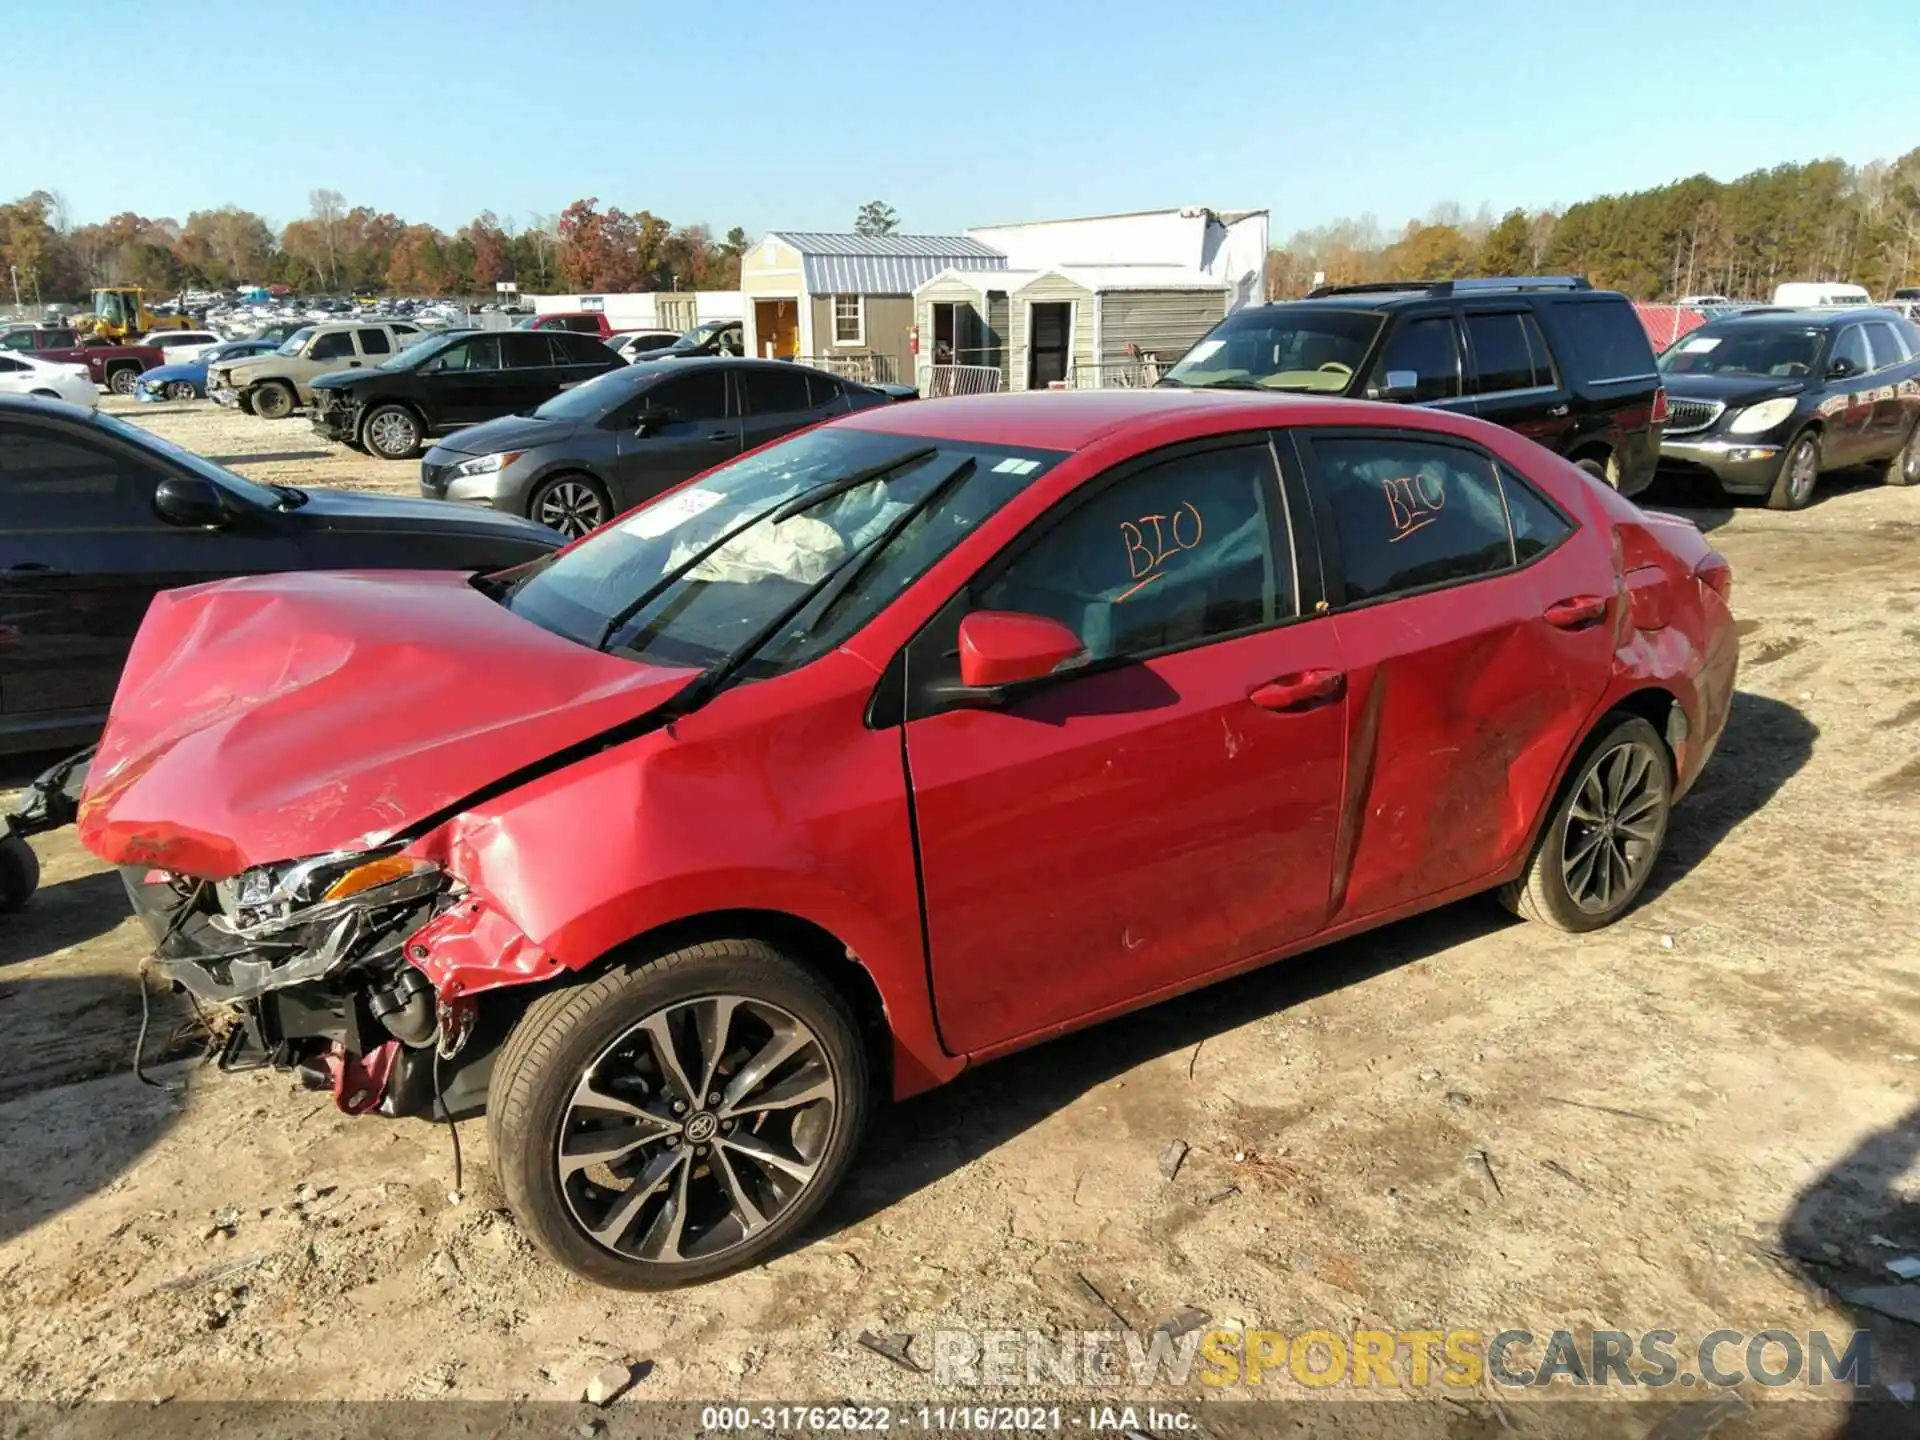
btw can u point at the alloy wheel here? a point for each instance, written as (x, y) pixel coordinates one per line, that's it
(571, 507)
(180, 390)
(1805, 463)
(696, 1129)
(1613, 827)
(392, 432)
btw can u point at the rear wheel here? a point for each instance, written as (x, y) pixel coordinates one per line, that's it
(19, 872)
(120, 379)
(676, 1120)
(1600, 843)
(1904, 467)
(273, 399)
(1799, 472)
(1601, 470)
(392, 432)
(571, 504)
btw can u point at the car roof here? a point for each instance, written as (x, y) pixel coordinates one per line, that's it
(1074, 419)
(1824, 317)
(32, 405)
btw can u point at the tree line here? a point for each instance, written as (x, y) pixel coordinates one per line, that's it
(338, 248)
(1825, 220)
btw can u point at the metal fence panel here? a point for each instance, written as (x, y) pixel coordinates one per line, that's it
(940, 381)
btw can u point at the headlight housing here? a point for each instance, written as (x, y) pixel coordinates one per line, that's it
(485, 464)
(1764, 416)
(270, 897)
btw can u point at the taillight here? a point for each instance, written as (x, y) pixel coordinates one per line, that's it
(1660, 405)
(1716, 574)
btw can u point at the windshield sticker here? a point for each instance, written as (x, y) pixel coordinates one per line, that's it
(1013, 465)
(1205, 350)
(1413, 503)
(1699, 345)
(670, 514)
(1153, 540)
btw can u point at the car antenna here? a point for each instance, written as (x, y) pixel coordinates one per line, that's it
(784, 510)
(707, 684)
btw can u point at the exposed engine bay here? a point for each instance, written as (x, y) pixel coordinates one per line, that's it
(304, 966)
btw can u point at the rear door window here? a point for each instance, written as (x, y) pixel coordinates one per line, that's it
(1508, 351)
(374, 342)
(775, 392)
(691, 397)
(1603, 340)
(525, 350)
(1427, 350)
(1409, 514)
(1888, 348)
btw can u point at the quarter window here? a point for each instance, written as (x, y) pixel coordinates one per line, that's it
(1172, 555)
(332, 346)
(1426, 350)
(849, 324)
(1409, 514)
(1509, 353)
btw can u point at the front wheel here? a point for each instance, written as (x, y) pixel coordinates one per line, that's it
(571, 504)
(1793, 487)
(392, 432)
(680, 1119)
(273, 400)
(180, 390)
(1602, 839)
(1904, 467)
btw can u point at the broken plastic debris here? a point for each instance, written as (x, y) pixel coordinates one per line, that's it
(1907, 1267)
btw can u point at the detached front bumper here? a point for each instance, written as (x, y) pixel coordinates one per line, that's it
(335, 420)
(222, 394)
(1742, 467)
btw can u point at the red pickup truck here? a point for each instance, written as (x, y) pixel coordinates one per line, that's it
(581, 322)
(114, 367)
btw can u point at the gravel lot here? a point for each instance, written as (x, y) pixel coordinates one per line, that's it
(1697, 1119)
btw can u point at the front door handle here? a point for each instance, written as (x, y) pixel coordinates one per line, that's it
(1301, 690)
(720, 435)
(1577, 612)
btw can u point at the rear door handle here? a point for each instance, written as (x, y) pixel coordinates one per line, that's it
(720, 435)
(1577, 612)
(1300, 691)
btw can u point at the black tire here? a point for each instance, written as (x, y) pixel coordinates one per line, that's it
(1601, 470)
(1799, 473)
(572, 503)
(392, 432)
(273, 399)
(574, 1030)
(180, 390)
(120, 379)
(19, 872)
(1904, 467)
(1543, 892)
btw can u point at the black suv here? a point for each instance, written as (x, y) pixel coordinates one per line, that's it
(449, 381)
(1564, 364)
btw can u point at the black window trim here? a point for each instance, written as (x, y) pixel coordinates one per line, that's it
(1333, 562)
(896, 701)
(1473, 361)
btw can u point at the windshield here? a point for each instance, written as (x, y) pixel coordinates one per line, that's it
(295, 341)
(1281, 347)
(595, 398)
(415, 353)
(747, 582)
(700, 334)
(1765, 353)
(226, 479)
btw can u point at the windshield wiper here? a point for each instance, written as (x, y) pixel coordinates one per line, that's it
(709, 681)
(783, 510)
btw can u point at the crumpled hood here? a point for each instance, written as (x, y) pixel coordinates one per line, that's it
(271, 718)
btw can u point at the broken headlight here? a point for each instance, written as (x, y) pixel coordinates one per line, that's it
(269, 896)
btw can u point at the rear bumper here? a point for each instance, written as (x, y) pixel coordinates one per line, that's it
(1742, 468)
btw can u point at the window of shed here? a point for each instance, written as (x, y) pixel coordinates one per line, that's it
(849, 324)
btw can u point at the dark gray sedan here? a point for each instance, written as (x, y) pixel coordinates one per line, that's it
(603, 447)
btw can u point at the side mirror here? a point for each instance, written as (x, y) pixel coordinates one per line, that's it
(650, 419)
(1842, 368)
(190, 501)
(1004, 647)
(1400, 384)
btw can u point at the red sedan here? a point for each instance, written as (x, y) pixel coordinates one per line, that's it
(889, 748)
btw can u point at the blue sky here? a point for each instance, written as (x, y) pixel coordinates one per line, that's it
(772, 114)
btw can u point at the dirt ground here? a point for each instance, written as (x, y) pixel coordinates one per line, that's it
(1706, 1117)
